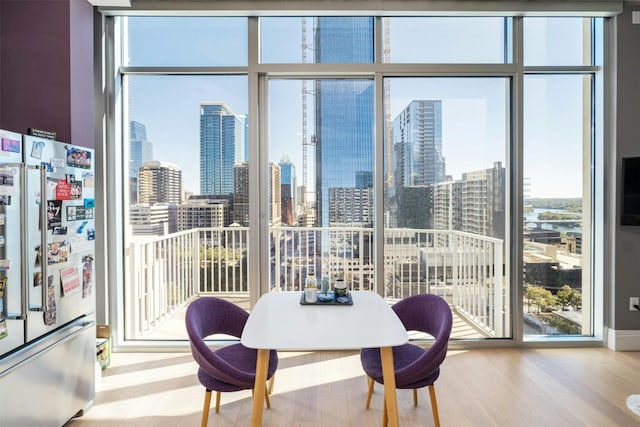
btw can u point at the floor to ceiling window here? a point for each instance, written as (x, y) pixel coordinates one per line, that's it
(390, 152)
(445, 221)
(560, 137)
(325, 220)
(185, 138)
(327, 215)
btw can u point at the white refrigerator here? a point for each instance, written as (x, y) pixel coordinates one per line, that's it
(47, 283)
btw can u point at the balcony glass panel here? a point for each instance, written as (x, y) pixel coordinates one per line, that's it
(557, 205)
(185, 41)
(446, 145)
(450, 40)
(319, 40)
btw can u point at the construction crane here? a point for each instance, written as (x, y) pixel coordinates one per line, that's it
(306, 142)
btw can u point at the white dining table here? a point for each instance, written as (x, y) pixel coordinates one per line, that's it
(280, 322)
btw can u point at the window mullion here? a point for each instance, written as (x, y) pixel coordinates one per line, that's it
(515, 192)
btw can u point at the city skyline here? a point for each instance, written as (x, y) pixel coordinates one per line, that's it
(475, 118)
(465, 157)
(297, 146)
(286, 154)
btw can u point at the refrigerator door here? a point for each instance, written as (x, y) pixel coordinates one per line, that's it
(47, 383)
(60, 233)
(12, 293)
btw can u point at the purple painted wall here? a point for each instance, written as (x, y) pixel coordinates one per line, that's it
(0, 64)
(46, 53)
(82, 73)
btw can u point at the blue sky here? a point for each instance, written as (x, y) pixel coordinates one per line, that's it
(475, 110)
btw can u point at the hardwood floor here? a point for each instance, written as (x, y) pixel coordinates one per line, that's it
(488, 387)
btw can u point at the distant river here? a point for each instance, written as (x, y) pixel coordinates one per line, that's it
(536, 211)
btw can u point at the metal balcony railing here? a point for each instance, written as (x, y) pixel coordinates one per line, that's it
(165, 273)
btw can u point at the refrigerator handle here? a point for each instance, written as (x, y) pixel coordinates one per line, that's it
(23, 250)
(43, 237)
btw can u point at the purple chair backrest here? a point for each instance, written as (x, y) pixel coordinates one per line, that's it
(211, 315)
(431, 314)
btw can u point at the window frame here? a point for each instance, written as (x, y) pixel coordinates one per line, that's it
(258, 75)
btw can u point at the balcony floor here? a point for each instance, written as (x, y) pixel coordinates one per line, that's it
(172, 328)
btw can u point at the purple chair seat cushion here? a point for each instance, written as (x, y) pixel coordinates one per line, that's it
(409, 371)
(228, 368)
(212, 383)
(241, 364)
(238, 357)
(414, 366)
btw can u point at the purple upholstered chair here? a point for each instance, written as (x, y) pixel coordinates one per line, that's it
(415, 367)
(229, 368)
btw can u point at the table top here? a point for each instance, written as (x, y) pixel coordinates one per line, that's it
(279, 321)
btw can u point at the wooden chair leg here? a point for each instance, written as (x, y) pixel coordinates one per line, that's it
(434, 405)
(385, 414)
(205, 409)
(415, 397)
(270, 384)
(217, 402)
(266, 398)
(370, 392)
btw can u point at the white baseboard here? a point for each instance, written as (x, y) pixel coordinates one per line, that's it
(623, 340)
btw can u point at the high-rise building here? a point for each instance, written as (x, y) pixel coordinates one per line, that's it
(351, 206)
(221, 147)
(474, 204)
(483, 207)
(140, 151)
(241, 194)
(344, 108)
(412, 207)
(447, 205)
(160, 182)
(275, 194)
(418, 163)
(208, 213)
(417, 138)
(149, 220)
(288, 189)
(203, 212)
(364, 179)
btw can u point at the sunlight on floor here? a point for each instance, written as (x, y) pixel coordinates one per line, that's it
(169, 381)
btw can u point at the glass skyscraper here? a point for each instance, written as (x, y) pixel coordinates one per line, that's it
(417, 138)
(418, 163)
(288, 189)
(141, 149)
(140, 152)
(221, 147)
(344, 109)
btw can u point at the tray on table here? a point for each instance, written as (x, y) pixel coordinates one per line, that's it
(332, 301)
